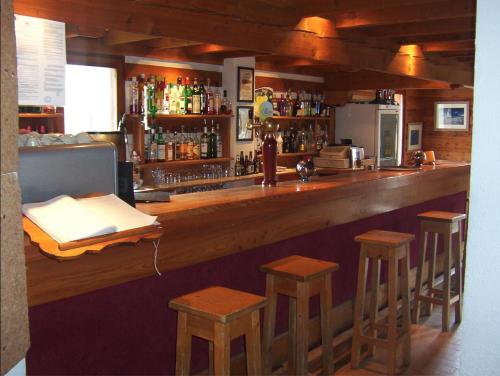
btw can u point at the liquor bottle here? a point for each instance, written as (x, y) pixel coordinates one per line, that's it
(319, 142)
(302, 141)
(204, 142)
(160, 141)
(203, 98)
(196, 145)
(196, 97)
(190, 146)
(177, 147)
(173, 98)
(325, 139)
(247, 165)
(256, 163)
(134, 96)
(140, 92)
(147, 145)
(219, 141)
(275, 102)
(286, 143)
(166, 100)
(183, 142)
(242, 163)
(282, 105)
(159, 93)
(217, 100)
(210, 99)
(181, 98)
(237, 166)
(288, 103)
(310, 141)
(151, 102)
(153, 149)
(212, 143)
(170, 149)
(279, 141)
(224, 103)
(188, 97)
(250, 167)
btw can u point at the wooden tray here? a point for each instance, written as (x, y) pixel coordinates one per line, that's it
(74, 249)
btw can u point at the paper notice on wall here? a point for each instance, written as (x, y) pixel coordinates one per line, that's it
(41, 61)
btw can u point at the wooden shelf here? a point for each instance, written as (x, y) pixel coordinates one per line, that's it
(187, 162)
(301, 154)
(41, 116)
(165, 116)
(322, 118)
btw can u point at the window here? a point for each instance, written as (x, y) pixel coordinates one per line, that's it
(90, 99)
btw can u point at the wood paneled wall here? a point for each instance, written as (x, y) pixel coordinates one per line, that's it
(419, 107)
(281, 84)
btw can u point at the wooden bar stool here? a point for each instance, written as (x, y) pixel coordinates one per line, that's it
(218, 315)
(391, 247)
(449, 225)
(299, 278)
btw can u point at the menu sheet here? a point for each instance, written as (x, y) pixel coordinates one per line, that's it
(41, 61)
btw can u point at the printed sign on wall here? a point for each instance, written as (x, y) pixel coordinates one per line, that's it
(41, 61)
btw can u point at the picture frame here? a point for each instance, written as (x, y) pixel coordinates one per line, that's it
(451, 116)
(246, 84)
(414, 136)
(244, 116)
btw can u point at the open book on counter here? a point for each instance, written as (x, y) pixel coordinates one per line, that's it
(67, 219)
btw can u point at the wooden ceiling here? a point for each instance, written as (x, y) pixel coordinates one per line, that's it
(411, 42)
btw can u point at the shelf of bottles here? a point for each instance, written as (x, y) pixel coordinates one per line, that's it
(41, 119)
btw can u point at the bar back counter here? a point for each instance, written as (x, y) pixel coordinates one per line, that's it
(108, 314)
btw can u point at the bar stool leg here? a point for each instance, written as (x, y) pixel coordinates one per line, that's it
(222, 354)
(392, 323)
(292, 335)
(252, 344)
(458, 277)
(405, 294)
(421, 261)
(183, 346)
(326, 324)
(269, 325)
(302, 328)
(358, 308)
(432, 268)
(375, 283)
(447, 281)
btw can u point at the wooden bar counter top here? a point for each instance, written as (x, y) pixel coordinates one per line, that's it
(208, 225)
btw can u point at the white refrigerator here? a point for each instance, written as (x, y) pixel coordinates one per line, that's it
(375, 127)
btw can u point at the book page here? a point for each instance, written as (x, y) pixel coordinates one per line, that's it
(65, 219)
(117, 212)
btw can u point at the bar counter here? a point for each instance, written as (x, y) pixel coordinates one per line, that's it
(115, 299)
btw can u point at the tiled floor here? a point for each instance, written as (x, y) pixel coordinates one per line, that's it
(433, 352)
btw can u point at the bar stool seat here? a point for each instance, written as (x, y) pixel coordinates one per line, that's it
(218, 314)
(448, 224)
(299, 278)
(392, 247)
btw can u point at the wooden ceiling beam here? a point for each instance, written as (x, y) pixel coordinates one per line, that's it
(367, 80)
(167, 42)
(459, 45)
(116, 37)
(209, 48)
(130, 16)
(406, 14)
(453, 26)
(422, 39)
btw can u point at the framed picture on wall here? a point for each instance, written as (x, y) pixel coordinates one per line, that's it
(244, 119)
(451, 116)
(246, 85)
(414, 136)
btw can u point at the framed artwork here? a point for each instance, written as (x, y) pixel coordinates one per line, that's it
(451, 116)
(244, 117)
(246, 85)
(414, 136)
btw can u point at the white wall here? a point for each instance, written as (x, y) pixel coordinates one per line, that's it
(230, 83)
(480, 354)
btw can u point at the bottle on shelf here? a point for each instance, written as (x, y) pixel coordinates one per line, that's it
(302, 141)
(153, 149)
(275, 101)
(212, 142)
(196, 145)
(151, 102)
(242, 163)
(279, 140)
(246, 164)
(210, 99)
(140, 93)
(188, 97)
(288, 103)
(177, 146)
(166, 99)
(204, 142)
(319, 142)
(249, 165)
(147, 146)
(237, 166)
(225, 104)
(286, 143)
(160, 141)
(134, 96)
(310, 141)
(203, 98)
(173, 98)
(217, 100)
(183, 144)
(219, 141)
(190, 146)
(181, 97)
(196, 97)
(256, 163)
(170, 147)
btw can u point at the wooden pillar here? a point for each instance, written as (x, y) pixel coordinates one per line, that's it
(14, 306)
